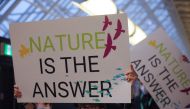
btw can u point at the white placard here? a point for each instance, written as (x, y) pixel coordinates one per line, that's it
(162, 69)
(78, 60)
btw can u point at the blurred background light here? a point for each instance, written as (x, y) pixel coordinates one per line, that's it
(5, 49)
(97, 7)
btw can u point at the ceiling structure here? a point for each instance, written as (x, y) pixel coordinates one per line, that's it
(183, 9)
(147, 14)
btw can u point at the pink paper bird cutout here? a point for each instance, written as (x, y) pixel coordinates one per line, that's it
(119, 30)
(106, 23)
(185, 59)
(109, 46)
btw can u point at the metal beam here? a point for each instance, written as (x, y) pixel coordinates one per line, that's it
(9, 10)
(3, 3)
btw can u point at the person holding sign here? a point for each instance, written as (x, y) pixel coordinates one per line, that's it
(131, 75)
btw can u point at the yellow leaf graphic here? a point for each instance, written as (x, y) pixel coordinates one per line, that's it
(24, 51)
(152, 43)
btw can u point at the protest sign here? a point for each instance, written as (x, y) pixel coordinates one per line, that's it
(77, 60)
(162, 70)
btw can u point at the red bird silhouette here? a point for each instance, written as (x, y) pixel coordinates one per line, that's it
(186, 90)
(118, 30)
(185, 59)
(109, 46)
(106, 23)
